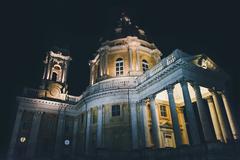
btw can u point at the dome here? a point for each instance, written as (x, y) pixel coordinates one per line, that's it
(125, 27)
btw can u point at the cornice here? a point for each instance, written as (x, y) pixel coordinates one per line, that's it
(35, 103)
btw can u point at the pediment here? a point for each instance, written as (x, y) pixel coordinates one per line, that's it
(200, 60)
(165, 124)
(205, 62)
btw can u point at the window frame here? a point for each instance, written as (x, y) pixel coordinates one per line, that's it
(119, 65)
(145, 65)
(163, 111)
(116, 110)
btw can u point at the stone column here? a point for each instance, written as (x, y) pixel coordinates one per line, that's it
(34, 134)
(145, 123)
(221, 117)
(173, 109)
(202, 110)
(133, 110)
(88, 131)
(44, 71)
(215, 120)
(192, 123)
(15, 135)
(106, 63)
(91, 73)
(100, 127)
(101, 64)
(183, 128)
(130, 59)
(65, 71)
(140, 125)
(155, 121)
(75, 136)
(138, 59)
(48, 68)
(59, 135)
(231, 119)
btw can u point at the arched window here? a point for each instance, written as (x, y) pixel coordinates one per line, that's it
(54, 76)
(56, 67)
(119, 66)
(144, 65)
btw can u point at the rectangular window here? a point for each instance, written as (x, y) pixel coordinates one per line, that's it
(119, 67)
(115, 110)
(163, 111)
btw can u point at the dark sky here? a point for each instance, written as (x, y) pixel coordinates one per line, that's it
(30, 29)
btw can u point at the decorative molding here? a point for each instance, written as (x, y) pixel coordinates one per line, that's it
(168, 71)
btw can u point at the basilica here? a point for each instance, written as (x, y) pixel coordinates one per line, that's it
(138, 105)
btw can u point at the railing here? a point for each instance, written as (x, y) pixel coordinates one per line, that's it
(165, 62)
(130, 82)
(113, 83)
(73, 99)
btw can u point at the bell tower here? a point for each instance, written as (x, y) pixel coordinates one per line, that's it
(54, 79)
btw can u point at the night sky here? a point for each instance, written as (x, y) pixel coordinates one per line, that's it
(30, 29)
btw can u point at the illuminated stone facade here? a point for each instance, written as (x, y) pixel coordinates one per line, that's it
(137, 106)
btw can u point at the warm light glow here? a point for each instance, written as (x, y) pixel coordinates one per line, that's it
(177, 92)
(23, 139)
(178, 96)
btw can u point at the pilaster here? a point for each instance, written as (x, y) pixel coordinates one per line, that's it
(59, 136)
(100, 127)
(130, 59)
(75, 132)
(15, 135)
(34, 134)
(88, 130)
(138, 60)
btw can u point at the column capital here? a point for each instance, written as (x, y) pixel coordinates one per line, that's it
(179, 109)
(209, 99)
(37, 114)
(193, 83)
(61, 114)
(143, 101)
(61, 109)
(88, 110)
(183, 81)
(100, 107)
(170, 88)
(215, 92)
(221, 92)
(211, 90)
(152, 96)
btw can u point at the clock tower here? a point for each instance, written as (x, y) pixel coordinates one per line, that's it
(54, 79)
